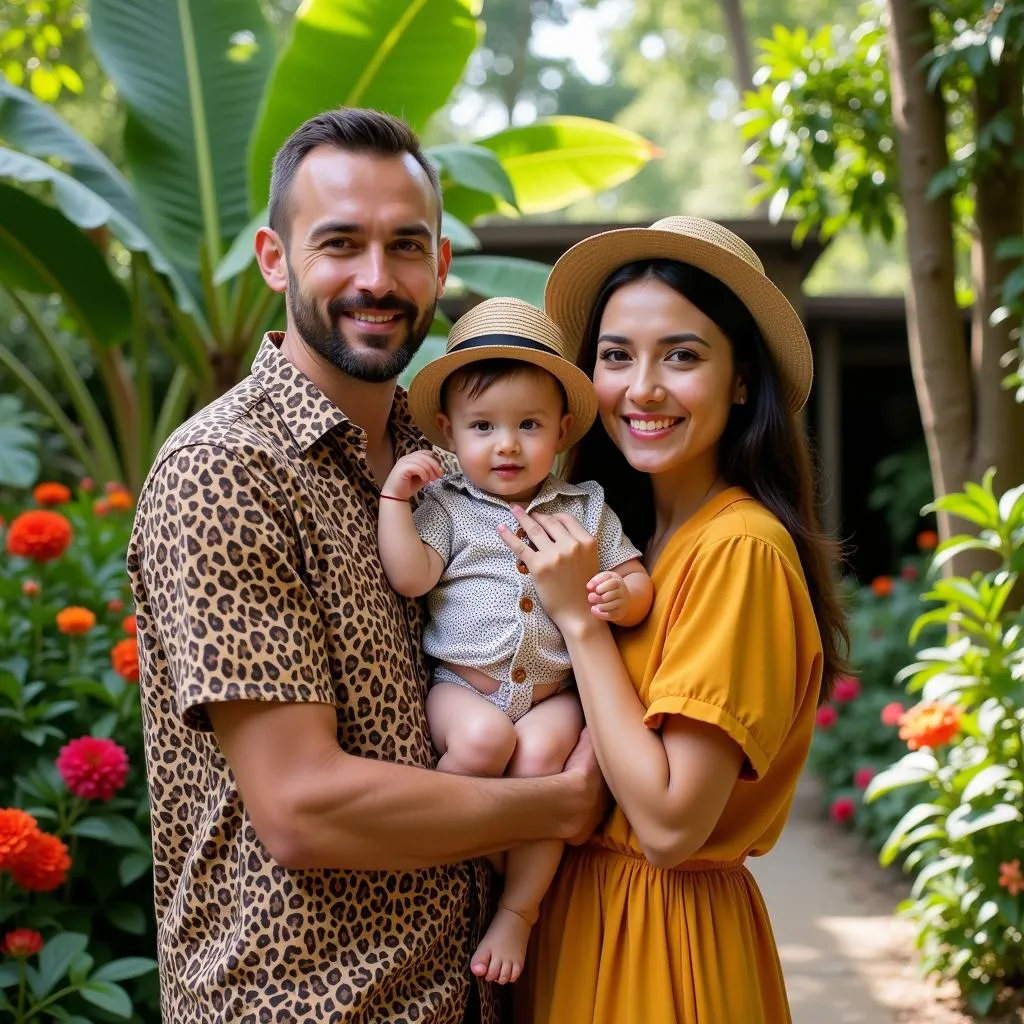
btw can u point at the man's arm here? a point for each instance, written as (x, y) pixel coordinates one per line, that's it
(314, 806)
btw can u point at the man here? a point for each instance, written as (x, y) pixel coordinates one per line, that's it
(309, 865)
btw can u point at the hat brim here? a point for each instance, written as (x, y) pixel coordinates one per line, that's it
(425, 388)
(577, 277)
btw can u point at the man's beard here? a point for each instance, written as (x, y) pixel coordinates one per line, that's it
(325, 336)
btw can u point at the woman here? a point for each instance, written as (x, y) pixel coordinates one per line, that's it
(701, 716)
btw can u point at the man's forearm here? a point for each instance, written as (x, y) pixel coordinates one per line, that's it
(364, 814)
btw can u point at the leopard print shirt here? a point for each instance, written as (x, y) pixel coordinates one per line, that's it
(255, 574)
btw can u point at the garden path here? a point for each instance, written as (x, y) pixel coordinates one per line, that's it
(846, 958)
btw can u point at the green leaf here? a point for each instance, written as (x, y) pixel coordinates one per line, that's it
(8, 974)
(19, 467)
(489, 276)
(42, 251)
(111, 828)
(557, 161)
(933, 870)
(126, 916)
(56, 956)
(475, 167)
(242, 251)
(980, 999)
(918, 766)
(108, 996)
(914, 817)
(400, 56)
(90, 210)
(985, 781)
(191, 110)
(462, 238)
(965, 820)
(133, 866)
(432, 347)
(127, 967)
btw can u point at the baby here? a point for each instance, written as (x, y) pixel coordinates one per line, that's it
(506, 400)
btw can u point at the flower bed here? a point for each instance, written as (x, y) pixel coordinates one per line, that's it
(75, 889)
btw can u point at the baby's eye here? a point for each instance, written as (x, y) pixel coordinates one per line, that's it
(480, 425)
(529, 425)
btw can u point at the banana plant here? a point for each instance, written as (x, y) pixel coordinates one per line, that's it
(161, 253)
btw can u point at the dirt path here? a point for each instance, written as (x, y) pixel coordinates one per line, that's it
(847, 960)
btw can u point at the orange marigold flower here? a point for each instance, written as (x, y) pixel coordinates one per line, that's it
(22, 943)
(17, 829)
(39, 534)
(121, 501)
(52, 494)
(881, 586)
(129, 625)
(125, 659)
(929, 724)
(75, 621)
(43, 865)
(31, 588)
(1010, 877)
(927, 540)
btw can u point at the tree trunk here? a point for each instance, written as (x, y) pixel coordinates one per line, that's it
(999, 215)
(938, 348)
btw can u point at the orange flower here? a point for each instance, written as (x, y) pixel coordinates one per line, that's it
(31, 588)
(52, 494)
(43, 865)
(115, 606)
(125, 659)
(927, 540)
(882, 586)
(75, 621)
(101, 506)
(120, 500)
(17, 829)
(929, 724)
(1010, 877)
(40, 534)
(129, 625)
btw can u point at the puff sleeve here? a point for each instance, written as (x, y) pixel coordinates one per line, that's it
(434, 522)
(613, 546)
(731, 653)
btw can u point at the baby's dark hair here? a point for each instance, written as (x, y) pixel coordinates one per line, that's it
(473, 379)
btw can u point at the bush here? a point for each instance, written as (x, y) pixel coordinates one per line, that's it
(964, 836)
(75, 889)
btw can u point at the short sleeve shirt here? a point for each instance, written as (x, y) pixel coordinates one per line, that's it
(484, 612)
(255, 573)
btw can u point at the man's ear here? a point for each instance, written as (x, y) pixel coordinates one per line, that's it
(272, 257)
(564, 426)
(445, 426)
(444, 261)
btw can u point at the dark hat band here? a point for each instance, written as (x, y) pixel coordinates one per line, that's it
(505, 340)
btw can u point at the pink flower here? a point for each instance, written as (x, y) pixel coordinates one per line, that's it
(826, 717)
(92, 768)
(846, 688)
(842, 810)
(909, 573)
(892, 713)
(863, 776)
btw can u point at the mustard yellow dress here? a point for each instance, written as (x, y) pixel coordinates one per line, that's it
(732, 641)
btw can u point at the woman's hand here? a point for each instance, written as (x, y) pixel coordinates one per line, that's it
(561, 558)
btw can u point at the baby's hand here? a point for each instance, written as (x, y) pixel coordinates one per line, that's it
(410, 474)
(608, 596)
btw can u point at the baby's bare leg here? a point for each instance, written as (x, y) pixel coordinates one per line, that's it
(547, 734)
(472, 736)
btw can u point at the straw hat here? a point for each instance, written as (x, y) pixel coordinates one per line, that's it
(503, 328)
(576, 279)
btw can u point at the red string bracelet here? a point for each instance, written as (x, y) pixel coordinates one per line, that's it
(392, 497)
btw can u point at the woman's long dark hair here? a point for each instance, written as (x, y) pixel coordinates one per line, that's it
(764, 448)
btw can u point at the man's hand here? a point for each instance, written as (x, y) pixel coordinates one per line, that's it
(594, 796)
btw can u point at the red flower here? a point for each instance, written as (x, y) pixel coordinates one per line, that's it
(826, 717)
(842, 809)
(125, 659)
(101, 506)
(113, 486)
(52, 494)
(909, 573)
(44, 864)
(129, 625)
(929, 724)
(39, 534)
(115, 606)
(22, 943)
(863, 776)
(881, 586)
(31, 588)
(92, 768)
(17, 830)
(86, 483)
(75, 621)
(927, 540)
(846, 688)
(892, 713)
(1010, 877)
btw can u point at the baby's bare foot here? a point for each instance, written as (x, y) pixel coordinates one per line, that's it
(502, 950)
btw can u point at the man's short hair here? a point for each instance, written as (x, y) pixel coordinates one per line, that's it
(473, 379)
(352, 130)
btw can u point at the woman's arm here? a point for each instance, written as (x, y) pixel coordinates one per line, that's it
(672, 784)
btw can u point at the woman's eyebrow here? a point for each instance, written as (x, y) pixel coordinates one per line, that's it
(670, 339)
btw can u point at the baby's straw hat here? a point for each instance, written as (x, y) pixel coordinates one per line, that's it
(577, 277)
(503, 328)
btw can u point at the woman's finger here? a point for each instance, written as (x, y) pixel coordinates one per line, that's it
(553, 526)
(573, 526)
(516, 545)
(532, 527)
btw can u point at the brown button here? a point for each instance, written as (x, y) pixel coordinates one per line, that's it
(521, 533)
(521, 566)
(526, 604)
(518, 675)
